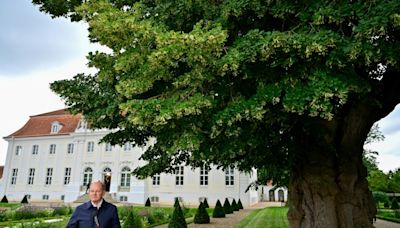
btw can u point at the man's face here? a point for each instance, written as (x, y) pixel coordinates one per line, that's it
(96, 192)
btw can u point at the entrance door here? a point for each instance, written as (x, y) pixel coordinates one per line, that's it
(107, 178)
(271, 195)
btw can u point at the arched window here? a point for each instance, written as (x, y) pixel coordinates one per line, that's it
(125, 177)
(281, 197)
(87, 176)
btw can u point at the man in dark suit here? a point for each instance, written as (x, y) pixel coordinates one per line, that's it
(96, 212)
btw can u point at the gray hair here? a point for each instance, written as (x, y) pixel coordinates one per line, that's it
(103, 186)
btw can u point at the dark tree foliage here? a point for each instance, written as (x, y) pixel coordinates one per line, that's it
(4, 199)
(148, 203)
(227, 207)
(219, 211)
(240, 206)
(25, 199)
(201, 216)
(292, 87)
(177, 219)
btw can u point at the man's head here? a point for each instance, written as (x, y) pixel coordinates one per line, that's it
(96, 191)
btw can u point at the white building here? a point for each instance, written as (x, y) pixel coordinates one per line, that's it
(54, 156)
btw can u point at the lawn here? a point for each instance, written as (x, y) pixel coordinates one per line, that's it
(270, 217)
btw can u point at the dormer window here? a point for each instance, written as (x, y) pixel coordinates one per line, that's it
(55, 127)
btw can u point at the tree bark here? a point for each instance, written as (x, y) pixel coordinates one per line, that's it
(328, 186)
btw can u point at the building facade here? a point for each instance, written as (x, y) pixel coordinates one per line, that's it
(54, 157)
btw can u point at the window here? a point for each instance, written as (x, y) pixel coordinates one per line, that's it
(62, 197)
(229, 177)
(127, 146)
(179, 176)
(154, 199)
(31, 176)
(35, 149)
(45, 197)
(55, 127)
(126, 177)
(203, 176)
(87, 176)
(49, 176)
(67, 175)
(14, 174)
(70, 148)
(52, 149)
(123, 198)
(90, 146)
(18, 150)
(108, 147)
(156, 179)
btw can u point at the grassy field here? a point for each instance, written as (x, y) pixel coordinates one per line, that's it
(270, 217)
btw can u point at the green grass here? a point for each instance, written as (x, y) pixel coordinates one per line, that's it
(270, 217)
(390, 215)
(10, 205)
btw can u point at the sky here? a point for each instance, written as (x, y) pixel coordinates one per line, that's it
(36, 50)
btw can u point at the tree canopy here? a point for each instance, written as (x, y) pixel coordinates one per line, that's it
(255, 84)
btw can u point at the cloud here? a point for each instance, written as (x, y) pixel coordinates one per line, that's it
(31, 40)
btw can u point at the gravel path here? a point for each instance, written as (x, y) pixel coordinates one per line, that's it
(385, 224)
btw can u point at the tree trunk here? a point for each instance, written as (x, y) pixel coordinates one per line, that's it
(328, 185)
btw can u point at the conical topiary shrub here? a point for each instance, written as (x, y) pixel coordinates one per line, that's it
(240, 206)
(4, 199)
(227, 207)
(205, 203)
(177, 220)
(133, 220)
(148, 203)
(394, 205)
(234, 205)
(218, 210)
(201, 216)
(25, 199)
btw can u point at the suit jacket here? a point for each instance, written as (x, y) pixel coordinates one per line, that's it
(83, 216)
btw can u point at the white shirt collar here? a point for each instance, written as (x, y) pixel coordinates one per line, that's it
(98, 205)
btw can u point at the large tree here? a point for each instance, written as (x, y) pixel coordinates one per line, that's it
(255, 84)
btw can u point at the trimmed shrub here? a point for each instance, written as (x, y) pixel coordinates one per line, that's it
(205, 203)
(394, 205)
(25, 199)
(62, 210)
(177, 219)
(227, 207)
(218, 211)
(240, 206)
(133, 220)
(201, 216)
(234, 205)
(148, 203)
(4, 199)
(386, 204)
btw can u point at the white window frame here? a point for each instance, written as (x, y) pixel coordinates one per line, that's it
(154, 199)
(108, 147)
(156, 179)
(49, 176)
(67, 175)
(229, 176)
(126, 177)
(70, 149)
(45, 197)
(90, 146)
(123, 198)
(87, 176)
(18, 150)
(127, 146)
(204, 176)
(52, 149)
(55, 127)
(179, 176)
(14, 175)
(31, 176)
(35, 149)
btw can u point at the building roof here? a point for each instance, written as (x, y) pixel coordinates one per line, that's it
(40, 125)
